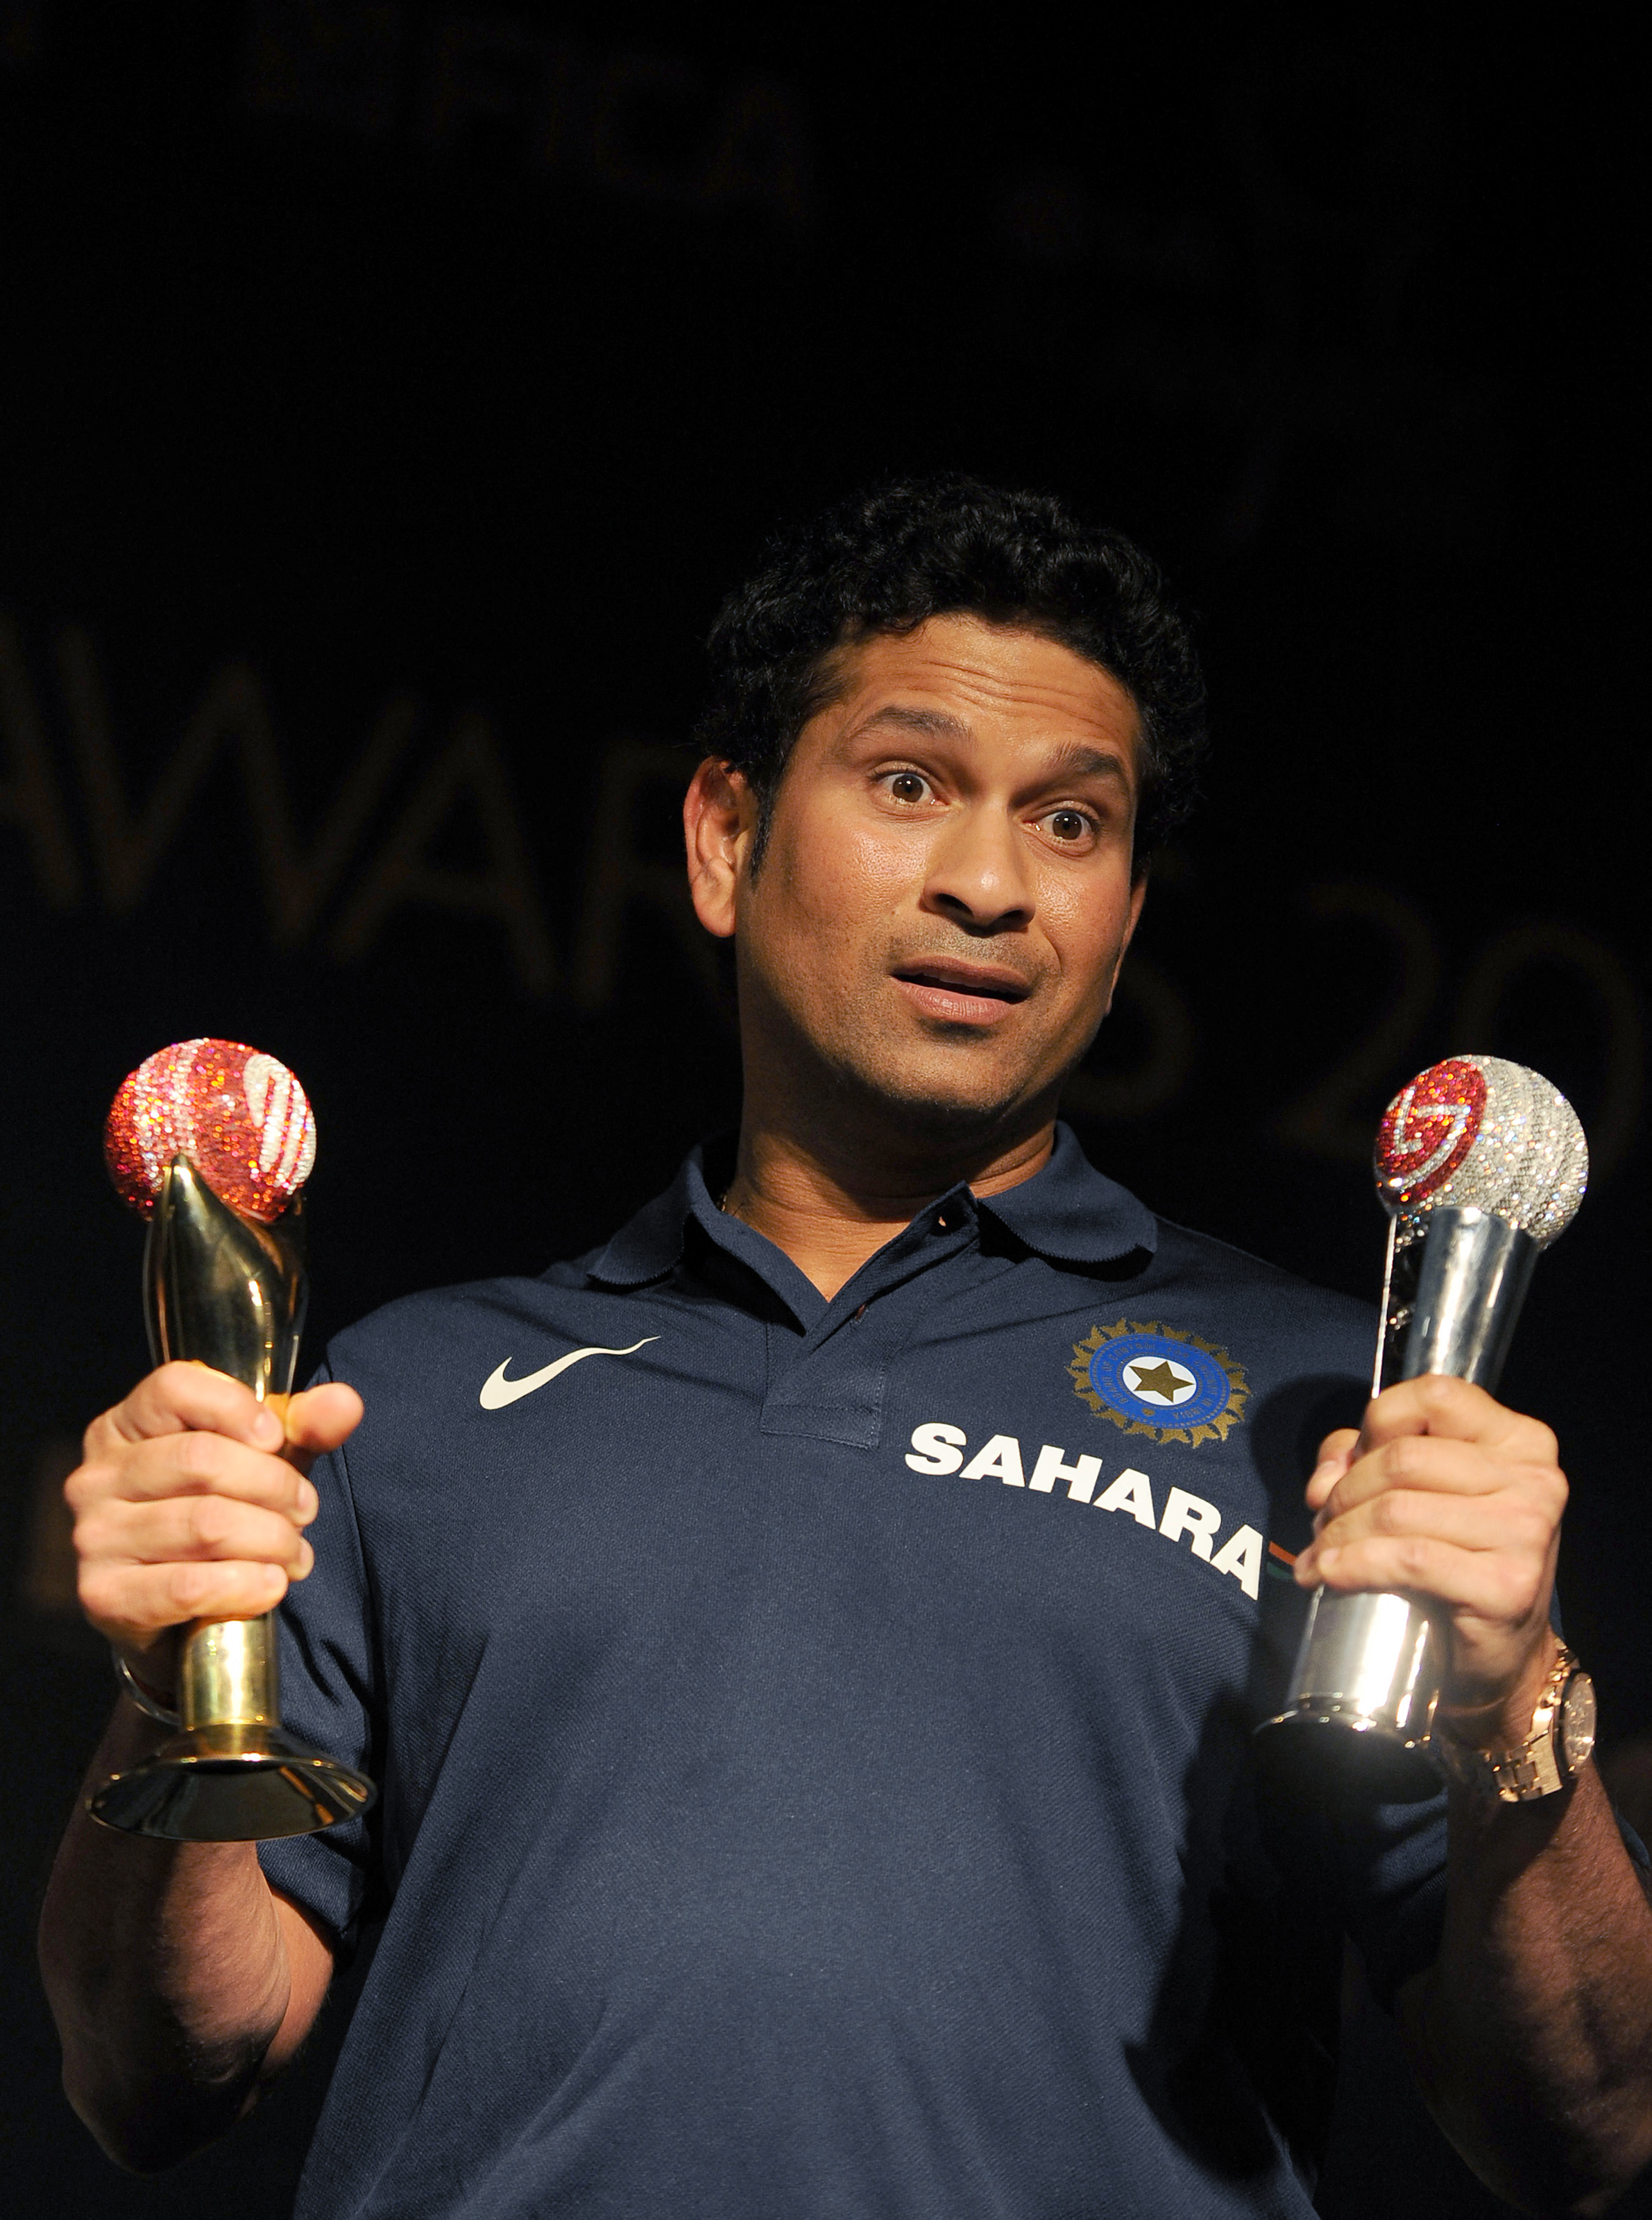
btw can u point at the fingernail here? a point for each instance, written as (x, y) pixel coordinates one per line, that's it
(306, 1562)
(268, 1432)
(1328, 1559)
(309, 1503)
(1323, 1469)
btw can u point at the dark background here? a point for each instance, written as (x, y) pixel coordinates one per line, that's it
(389, 392)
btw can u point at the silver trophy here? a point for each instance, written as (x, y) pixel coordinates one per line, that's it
(1480, 1164)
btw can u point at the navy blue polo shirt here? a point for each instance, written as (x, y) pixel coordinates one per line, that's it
(813, 1737)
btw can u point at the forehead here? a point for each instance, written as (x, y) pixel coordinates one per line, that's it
(1000, 679)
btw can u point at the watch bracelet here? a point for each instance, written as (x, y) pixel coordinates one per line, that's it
(1514, 1775)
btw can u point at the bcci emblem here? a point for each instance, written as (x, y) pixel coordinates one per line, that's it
(1173, 1388)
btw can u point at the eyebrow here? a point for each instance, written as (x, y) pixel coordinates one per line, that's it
(1072, 760)
(939, 723)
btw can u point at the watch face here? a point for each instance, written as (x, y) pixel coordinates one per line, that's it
(1577, 1720)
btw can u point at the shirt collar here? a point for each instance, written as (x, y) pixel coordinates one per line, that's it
(1073, 1213)
(1069, 1212)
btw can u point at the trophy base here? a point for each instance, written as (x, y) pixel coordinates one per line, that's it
(1350, 1750)
(231, 1784)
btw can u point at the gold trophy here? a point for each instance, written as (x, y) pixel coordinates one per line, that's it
(213, 1142)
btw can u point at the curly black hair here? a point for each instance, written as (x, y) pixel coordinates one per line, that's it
(888, 559)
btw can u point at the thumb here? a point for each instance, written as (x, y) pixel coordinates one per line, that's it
(319, 1419)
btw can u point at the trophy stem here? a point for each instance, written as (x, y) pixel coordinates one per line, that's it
(229, 1674)
(1368, 1674)
(226, 1291)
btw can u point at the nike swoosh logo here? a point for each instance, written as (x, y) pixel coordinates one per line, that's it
(498, 1392)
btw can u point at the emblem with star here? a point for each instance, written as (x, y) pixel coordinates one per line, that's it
(1171, 1387)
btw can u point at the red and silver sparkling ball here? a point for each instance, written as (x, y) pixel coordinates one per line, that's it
(240, 1118)
(1429, 1128)
(1478, 1132)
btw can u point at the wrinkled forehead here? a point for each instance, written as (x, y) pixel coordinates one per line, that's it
(959, 677)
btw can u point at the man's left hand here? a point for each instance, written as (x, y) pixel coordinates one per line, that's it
(1448, 1496)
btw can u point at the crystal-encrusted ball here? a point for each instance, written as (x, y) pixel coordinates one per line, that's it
(1478, 1131)
(240, 1118)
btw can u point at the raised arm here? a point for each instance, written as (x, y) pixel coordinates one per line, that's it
(177, 1978)
(1531, 2033)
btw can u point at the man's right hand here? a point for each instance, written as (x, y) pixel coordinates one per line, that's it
(191, 1503)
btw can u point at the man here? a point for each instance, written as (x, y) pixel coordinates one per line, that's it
(808, 1648)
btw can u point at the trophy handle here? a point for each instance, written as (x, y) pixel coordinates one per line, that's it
(1368, 1675)
(225, 1291)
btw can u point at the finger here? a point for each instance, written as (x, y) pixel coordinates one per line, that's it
(323, 1419)
(1336, 1454)
(184, 1528)
(1495, 1585)
(126, 1600)
(1438, 1465)
(1438, 1405)
(179, 1395)
(194, 1464)
(1505, 1521)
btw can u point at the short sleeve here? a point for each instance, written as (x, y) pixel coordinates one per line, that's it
(329, 1699)
(1375, 1873)
(1390, 1863)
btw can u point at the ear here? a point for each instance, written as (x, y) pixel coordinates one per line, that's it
(1138, 897)
(719, 818)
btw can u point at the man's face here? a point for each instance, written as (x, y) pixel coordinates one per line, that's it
(945, 896)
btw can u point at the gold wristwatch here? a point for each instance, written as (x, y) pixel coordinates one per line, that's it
(1562, 1735)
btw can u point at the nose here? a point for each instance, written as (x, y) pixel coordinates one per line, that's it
(978, 876)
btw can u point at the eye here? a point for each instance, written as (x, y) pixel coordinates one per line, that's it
(1069, 827)
(908, 786)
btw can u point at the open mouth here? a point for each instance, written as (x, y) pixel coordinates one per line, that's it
(963, 982)
(968, 992)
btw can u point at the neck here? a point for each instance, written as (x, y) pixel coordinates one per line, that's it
(832, 1201)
